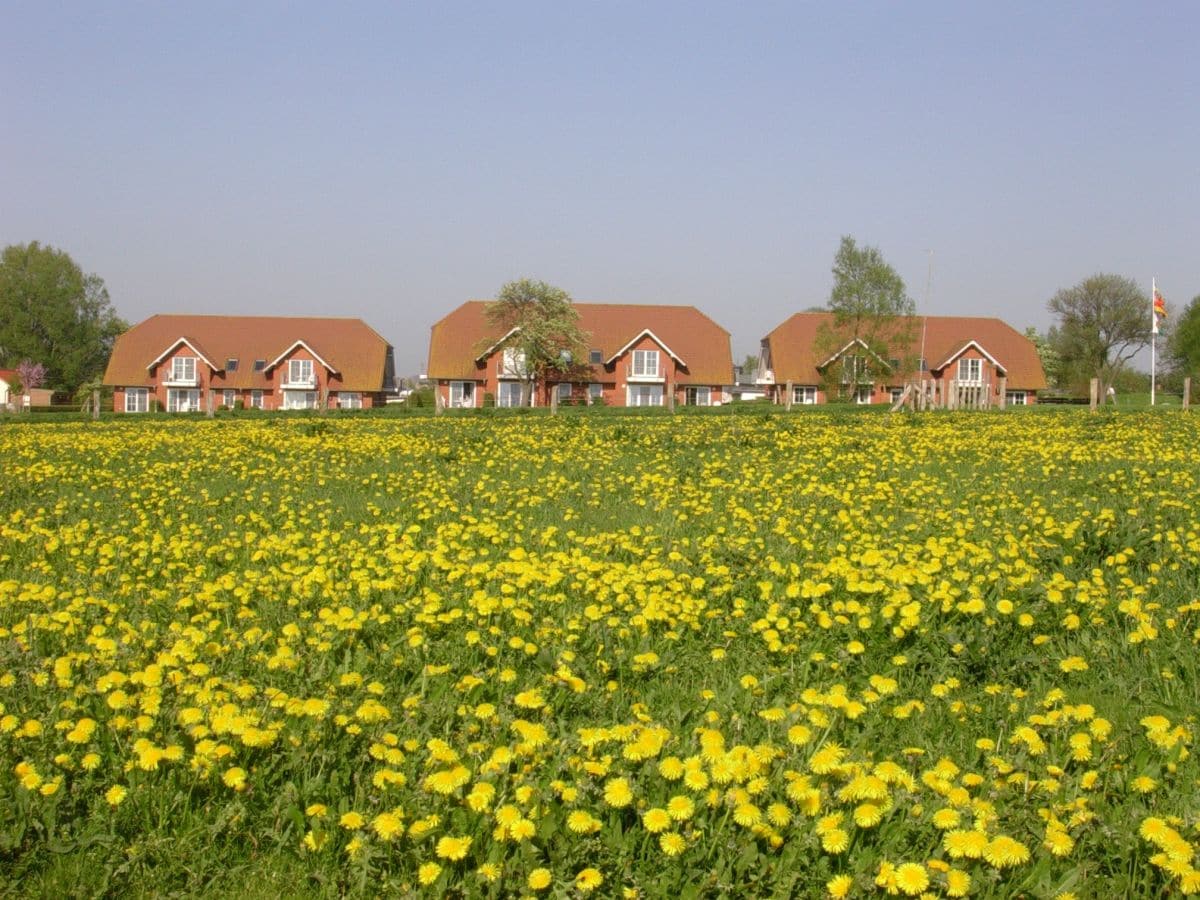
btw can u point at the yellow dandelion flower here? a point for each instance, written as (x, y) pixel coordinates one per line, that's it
(582, 822)
(115, 794)
(1058, 842)
(672, 843)
(1143, 784)
(911, 878)
(968, 844)
(839, 886)
(835, 841)
(779, 814)
(428, 873)
(235, 778)
(453, 848)
(617, 793)
(1003, 852)
(681, 808)
(867, 815)
(539, 879)
(958, 883)
(656, 820)
(747, 815)
(388, 825)
(588, 880)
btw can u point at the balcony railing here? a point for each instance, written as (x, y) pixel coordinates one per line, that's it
(645, 375)
(299, 384)
(173, 380)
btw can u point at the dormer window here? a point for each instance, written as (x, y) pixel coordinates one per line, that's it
(259, 365)
(595, 357)
(231, 364)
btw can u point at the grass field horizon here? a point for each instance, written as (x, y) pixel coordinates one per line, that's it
(756, 653)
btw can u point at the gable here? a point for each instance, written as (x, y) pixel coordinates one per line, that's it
(349, 347)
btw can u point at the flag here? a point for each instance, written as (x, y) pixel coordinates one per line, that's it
(1158, 310)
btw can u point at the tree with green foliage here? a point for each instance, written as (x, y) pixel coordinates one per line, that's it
(871, 308)
(54, 314)
(1183, 345)
(1047, 352)
(1102, 323)
(542, 334)
(749, 368)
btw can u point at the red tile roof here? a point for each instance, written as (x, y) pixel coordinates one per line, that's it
(460, 338)
(356, 350)
(794, 354)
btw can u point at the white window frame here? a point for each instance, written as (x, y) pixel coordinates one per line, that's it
(804, 395)
(564, 391)
(1016, 398)
(644, 395)
(256, 399)
(228, 398)
(512, 363)
(595, 391)
(973, 369)
(462, 394)
(140, 397)
(645, 364)
(508, 394)
(864, 394)
(697, 395)
(349, 400)
(299, 399)
(896, 393)
(183, 369)
(183, 400)
(300, 371)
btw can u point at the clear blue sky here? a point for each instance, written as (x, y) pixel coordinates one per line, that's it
(389, 161)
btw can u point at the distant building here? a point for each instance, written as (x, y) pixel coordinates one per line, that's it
(638, 355)
(181, 363)
(12, 400)
(8, 377)
(987, 361)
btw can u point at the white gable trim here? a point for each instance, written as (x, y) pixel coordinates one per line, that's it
(171, 347)
(963, 349)
(494, 347)
(860, 342)
(277, 360)
(654, 337)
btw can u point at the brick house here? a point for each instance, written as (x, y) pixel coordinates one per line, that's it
(192, 363)
(986, 362)
(638, 355)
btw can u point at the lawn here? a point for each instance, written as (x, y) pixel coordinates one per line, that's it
(763, 654)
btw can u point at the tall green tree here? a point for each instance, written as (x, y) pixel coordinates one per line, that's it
(1102, 323)
(545, 335)
(1047, 353)
(1183, 346)
(54, 314)
(871, 306)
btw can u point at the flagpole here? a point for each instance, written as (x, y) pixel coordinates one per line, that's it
(1153, 339)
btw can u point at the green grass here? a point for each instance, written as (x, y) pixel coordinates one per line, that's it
(937, 572)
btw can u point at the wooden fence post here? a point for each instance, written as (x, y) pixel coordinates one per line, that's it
(1094, 394)
(1002, 397)
(1187, 391)
(787, 397)
(96, 404)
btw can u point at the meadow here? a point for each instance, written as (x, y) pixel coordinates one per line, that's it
(766, 654)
